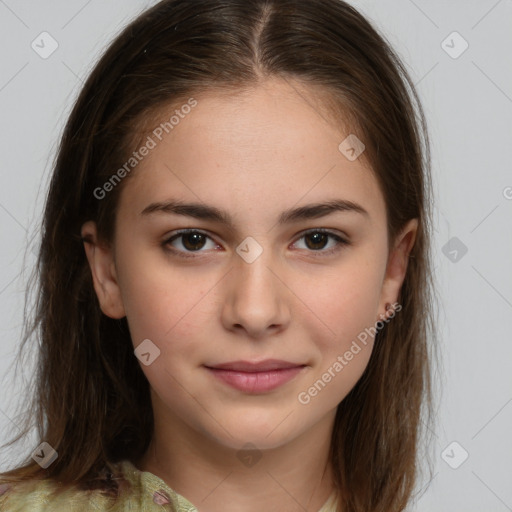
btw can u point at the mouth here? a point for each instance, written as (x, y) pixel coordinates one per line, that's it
(256, 377)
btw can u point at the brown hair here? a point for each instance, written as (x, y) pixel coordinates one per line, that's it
(91, 401)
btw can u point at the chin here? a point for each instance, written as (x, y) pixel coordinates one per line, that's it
(265, 433)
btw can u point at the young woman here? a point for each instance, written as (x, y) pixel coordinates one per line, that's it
(234, 288)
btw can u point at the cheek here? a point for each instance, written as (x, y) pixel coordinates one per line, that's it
(347, 302)
(347, 305)
(160, 300)
(343, 350)
(167, 309)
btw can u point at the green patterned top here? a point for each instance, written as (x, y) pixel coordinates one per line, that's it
(148, 493)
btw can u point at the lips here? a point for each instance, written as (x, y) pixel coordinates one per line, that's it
(251, 367)
(256, 378)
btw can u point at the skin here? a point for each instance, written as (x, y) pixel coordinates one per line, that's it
(252, 154)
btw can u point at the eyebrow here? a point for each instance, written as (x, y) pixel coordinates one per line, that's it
(211, 213)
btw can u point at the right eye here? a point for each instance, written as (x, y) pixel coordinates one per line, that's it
(191, 240)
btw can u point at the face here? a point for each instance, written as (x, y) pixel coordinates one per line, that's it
(262, 275)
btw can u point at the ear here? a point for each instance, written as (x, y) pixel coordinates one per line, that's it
(397, 265)
(102, 265)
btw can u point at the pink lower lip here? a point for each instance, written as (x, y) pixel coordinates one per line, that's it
(256, 382)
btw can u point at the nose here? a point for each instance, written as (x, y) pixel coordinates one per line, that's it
(257, 298)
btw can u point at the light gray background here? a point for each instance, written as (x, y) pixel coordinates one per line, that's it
(468, 102)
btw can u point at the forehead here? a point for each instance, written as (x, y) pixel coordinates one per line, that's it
(262, 148)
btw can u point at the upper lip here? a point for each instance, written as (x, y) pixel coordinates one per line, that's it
(262, 366)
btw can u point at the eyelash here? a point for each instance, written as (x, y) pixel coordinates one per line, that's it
(190, 254)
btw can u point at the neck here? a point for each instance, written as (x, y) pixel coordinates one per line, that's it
(296, 476)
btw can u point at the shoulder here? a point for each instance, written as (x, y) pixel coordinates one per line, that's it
(138, 490)
(45, 496)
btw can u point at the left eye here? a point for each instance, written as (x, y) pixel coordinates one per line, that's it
(194, 241)
(318, 239)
